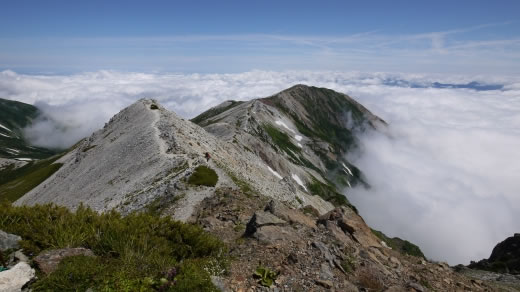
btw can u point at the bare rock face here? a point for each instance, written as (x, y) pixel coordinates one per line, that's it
(261, 219)
(48, 261)
(15, 278)
(350, 223)
(315, 259)
(290, 215)
(267, 228)
(8, 241)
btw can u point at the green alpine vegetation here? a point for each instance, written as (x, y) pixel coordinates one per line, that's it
(16, 182)
(403, 246)
(203, 176)
(138, 252)
(204, 118)
(282, 141)
(329, 193)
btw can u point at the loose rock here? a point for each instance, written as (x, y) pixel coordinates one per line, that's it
(261, 219)
(14, 279)
(8, 241)
(48, 261)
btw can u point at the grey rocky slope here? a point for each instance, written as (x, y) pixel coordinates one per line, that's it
(144, 153)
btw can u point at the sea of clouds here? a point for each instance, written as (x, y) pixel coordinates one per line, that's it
(446, 174)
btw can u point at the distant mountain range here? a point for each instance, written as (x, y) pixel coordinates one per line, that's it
(470, 85)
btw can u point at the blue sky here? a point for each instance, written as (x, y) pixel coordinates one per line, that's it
(473, 37)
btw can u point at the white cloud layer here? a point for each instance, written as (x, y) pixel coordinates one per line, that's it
(446, 177)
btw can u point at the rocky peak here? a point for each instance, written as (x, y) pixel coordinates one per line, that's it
(504, 258)
(302, 133)
(310, 102)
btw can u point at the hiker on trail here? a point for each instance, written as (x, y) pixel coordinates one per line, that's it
(207, 156)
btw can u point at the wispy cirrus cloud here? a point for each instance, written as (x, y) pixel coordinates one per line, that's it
(455, 50)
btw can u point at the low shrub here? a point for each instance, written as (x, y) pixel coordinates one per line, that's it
(132, 252)
(400, 245)
(266, 277)
(348, 264)
(203, 176)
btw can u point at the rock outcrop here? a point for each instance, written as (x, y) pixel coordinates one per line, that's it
(350, 223)
(48, 261)
(8, 241)
(14, 279)
(505, 257)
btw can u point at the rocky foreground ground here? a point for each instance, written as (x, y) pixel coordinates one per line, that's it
(333, 252)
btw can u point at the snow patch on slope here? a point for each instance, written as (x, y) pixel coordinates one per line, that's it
(24, 159)
(347, 169)
(296, 136)
(275, 173)
(298, 181)
(4, 127)
(280, 123)
(12, 151)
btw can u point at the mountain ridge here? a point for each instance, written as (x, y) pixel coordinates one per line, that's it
(169, 142)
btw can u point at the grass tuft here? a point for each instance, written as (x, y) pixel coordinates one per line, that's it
(282, 140)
